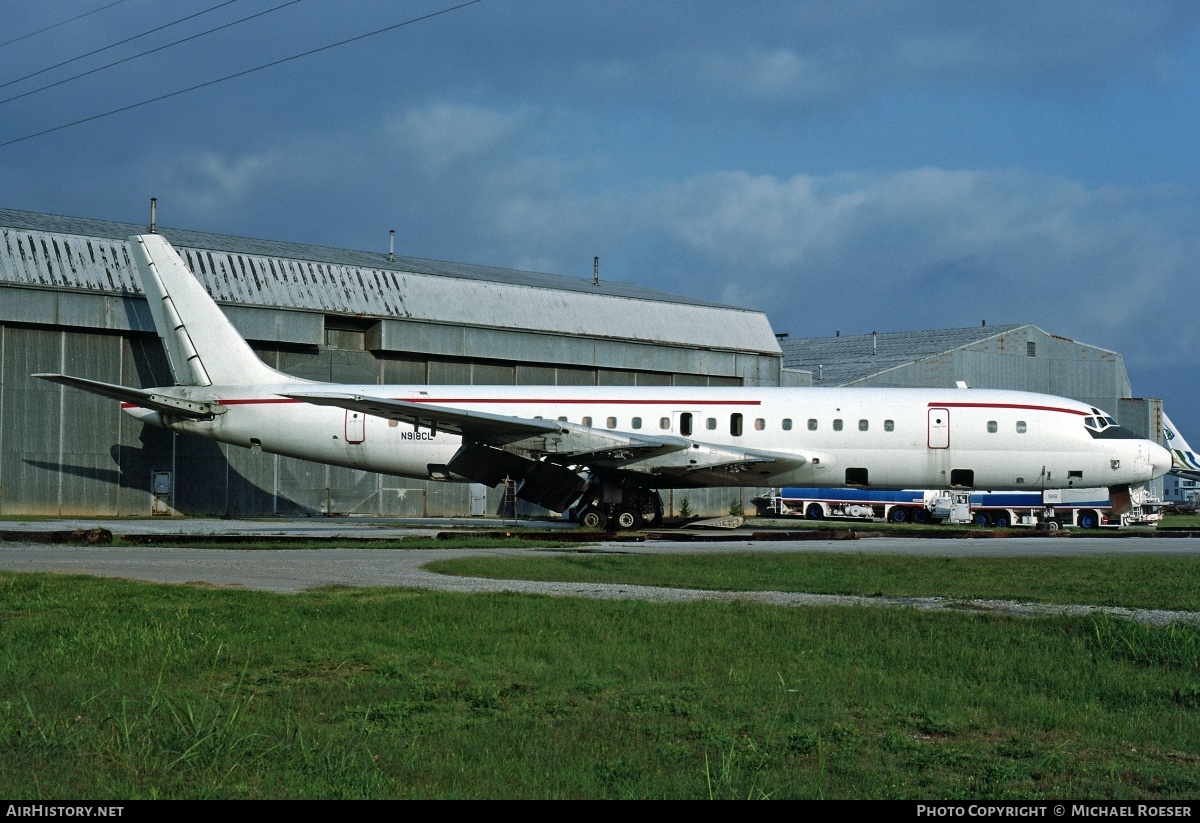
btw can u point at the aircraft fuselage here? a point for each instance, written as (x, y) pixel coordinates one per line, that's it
(881, 438)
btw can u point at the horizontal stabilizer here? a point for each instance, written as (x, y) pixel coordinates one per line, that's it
(155, 401)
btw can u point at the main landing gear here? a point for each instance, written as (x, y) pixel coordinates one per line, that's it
(618, 509)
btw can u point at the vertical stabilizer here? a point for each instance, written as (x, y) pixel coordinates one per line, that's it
(1184, 459)
(203, 347)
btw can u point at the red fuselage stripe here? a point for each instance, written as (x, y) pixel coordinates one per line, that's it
(1006, 406)
(528, 400)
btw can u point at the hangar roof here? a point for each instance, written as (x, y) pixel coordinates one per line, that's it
(53, 251)
(837, 361)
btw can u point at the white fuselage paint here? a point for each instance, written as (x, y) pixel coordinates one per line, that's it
(932, 434)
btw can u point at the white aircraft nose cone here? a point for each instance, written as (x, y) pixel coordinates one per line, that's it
(1160, 459)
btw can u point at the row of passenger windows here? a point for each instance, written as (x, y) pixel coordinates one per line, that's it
(736, 424)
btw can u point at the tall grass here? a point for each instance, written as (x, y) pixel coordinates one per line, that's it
(116, 689)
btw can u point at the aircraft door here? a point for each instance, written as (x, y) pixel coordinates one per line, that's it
(356, 427)
(685, 423)
(939, 428)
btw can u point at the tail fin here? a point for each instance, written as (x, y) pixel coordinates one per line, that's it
(203, 347)
(1184, 459)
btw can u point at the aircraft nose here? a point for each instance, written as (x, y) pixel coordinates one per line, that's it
(1160, 460)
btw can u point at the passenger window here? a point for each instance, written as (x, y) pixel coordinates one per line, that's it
(837, 424)
(664, 423)
(587, 421)
(863, 425)
(612, 422)
(760, 424)
(787, 424)
(636, 422)
(562, 419)
(735, 425)
(992, 427)
(812, 424)
(711, 424)
(1020, 427)
(889, 425)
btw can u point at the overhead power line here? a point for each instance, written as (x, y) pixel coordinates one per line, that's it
(63, 23)
(140, 54)
(242, 73)
(114, 45)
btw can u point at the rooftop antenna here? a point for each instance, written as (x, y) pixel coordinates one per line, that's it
(595, 271)
(391, 245)
(153, 214)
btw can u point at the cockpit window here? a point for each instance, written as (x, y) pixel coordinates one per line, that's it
(1099, 422)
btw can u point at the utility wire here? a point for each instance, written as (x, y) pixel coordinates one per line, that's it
(243, 73)
(56, 25)
(114, 45)
(139, 54)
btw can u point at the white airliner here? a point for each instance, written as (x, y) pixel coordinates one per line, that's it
(610, 449)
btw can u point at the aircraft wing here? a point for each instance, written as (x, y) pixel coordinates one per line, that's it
(147, 399)
(471, 424)
(549, 455)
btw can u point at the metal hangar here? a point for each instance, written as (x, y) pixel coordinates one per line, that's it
(70, 301)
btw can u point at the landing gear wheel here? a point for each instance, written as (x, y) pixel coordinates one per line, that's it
(626, 518)
(593, 518)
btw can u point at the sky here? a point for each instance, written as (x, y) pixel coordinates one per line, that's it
(848, 167)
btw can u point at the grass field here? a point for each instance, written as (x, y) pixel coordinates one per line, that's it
(117, 689)
(1140, 581)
